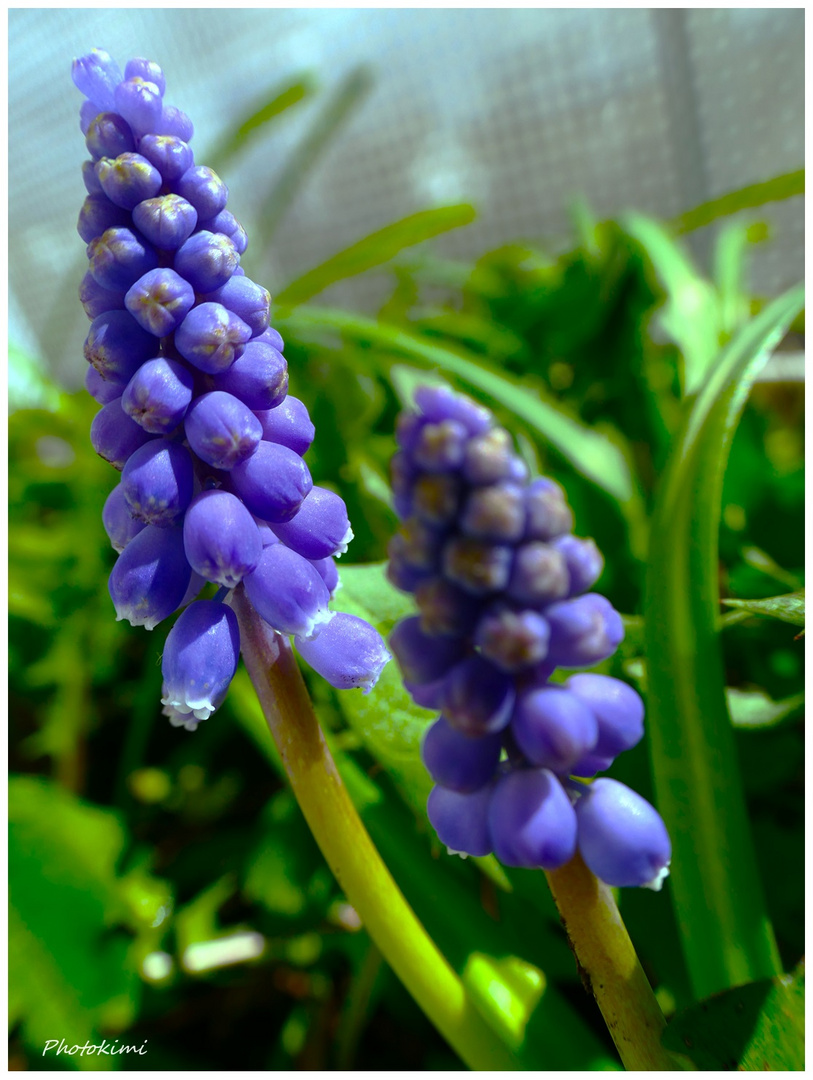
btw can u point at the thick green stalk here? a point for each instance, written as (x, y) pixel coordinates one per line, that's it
(350, 852)
(609, 967)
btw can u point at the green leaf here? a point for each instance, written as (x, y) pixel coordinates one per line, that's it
(68, 973)
(754, 1028)
(789, 608)
(691, 314)
(727, 937)
(294, 173)
(754, 710)
(595, 455)
(273, 104)
(781, 187)
(373, 250)
(389, 723)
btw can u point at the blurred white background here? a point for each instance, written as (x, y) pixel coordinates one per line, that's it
(518, 111)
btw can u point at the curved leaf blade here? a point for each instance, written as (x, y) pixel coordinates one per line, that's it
(747, 198)
(727, 937)
(374, 250)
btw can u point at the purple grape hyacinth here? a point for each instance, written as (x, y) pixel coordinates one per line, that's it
(503, 594)
(195, 413)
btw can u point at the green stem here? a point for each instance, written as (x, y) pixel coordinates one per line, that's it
(609, 967)
(350, 852)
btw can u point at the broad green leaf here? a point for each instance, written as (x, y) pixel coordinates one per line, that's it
(758, 1027)
(294, 173)
(789, 608)
(377, 248)
(691, 313)
(729, 276)
(593, 454)
(727, 937)
(762, 561)
(781, 187)
(273, 104)
(68, 972)
(753, 709)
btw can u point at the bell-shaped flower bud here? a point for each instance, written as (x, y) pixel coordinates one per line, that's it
(445, 609)
(548, 514)
(150, 577)
(119, 257)
(211, 337)
(117, 346)
(434, 498)
(272, 483)
(244, 297)
(202, 187)
(158, 481)
(320, 527)
(421, 658)
(115, 436)
(176, 123)
(158, 395)
(97, 75)
(622, 839)
(538, 575)
(140, 68)
(167, 221)
(494, 512)
(108, 136)
(531, 820)
(200, 659)
(461, 820)
(159, 301)
(207, 261)
(478, 698)
(288, 424)
(478, 567)
(98, 214)
(329, 573)
(225, 222)
(170, 155)
(102, 390)
(221, 430)
(440, 447)
(288, 592)
(139, 102)
(221, 540)
(583, 559)
(618, 709)
(96, 300)
(553, 728)
(119, 523)
(490, 458)
(259, 377)
(347, 652)
(584, 630)
(457, 761)
(513, 640)
(438, 403)
(128, 179)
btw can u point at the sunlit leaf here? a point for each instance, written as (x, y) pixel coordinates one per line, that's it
(789, 608)
(753, 709)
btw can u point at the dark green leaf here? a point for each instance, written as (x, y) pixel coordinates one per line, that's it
(754, 1028)
(789, 608)
(781, 187)
(377, 248)
(726, 934)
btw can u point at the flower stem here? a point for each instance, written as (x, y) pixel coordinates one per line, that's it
(609, 967)
(349, 851)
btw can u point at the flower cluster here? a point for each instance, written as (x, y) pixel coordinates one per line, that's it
(502, 586)
(195, 412)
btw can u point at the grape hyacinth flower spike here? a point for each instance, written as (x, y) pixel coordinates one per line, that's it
(195, 411)
(504, 596)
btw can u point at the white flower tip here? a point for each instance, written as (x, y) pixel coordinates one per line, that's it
(344, 543)
(656, 884)
(460, 854)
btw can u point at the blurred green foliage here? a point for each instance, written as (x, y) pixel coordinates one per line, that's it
(165, 888)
